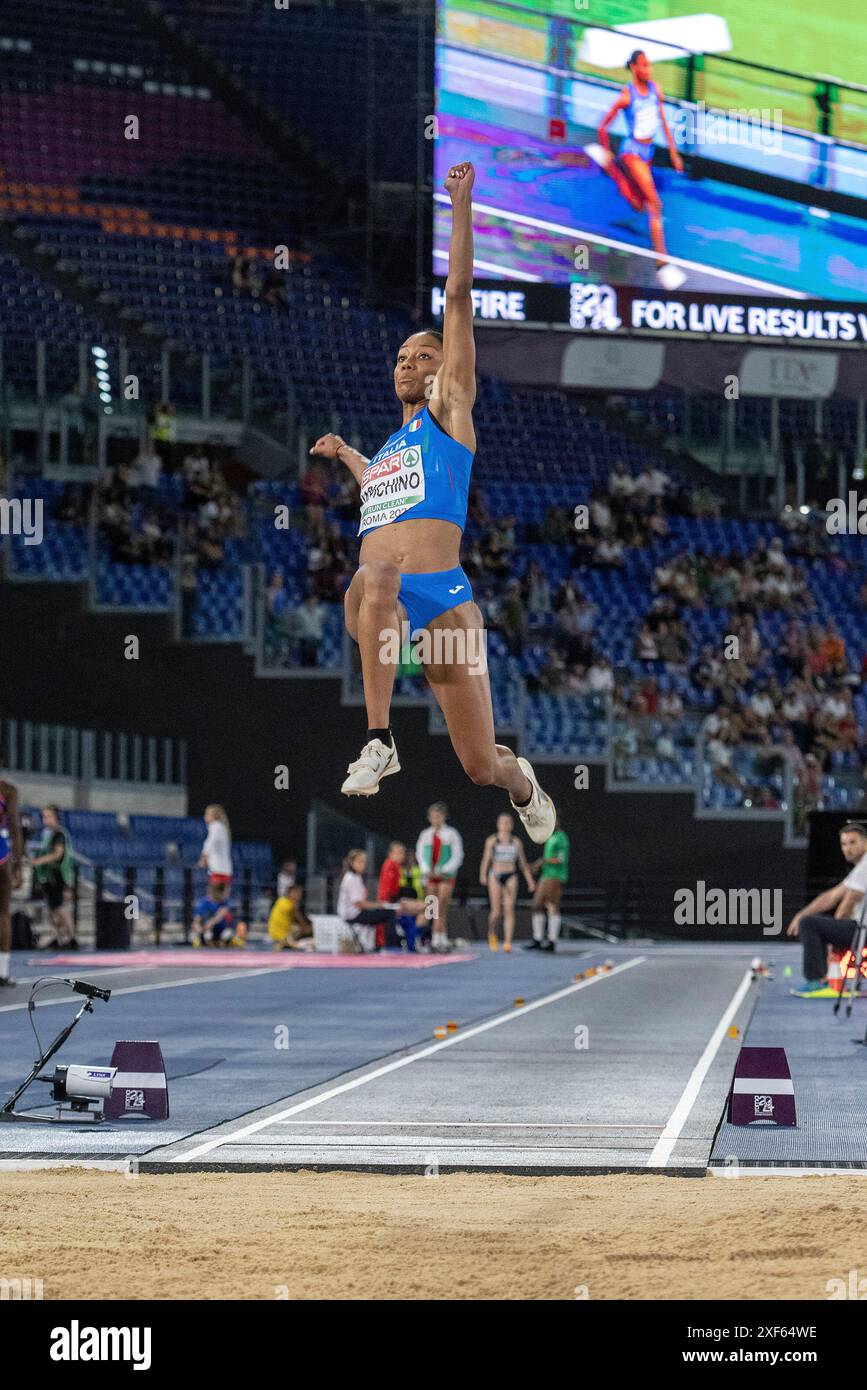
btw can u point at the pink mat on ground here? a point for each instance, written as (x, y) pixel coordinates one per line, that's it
(260, 960)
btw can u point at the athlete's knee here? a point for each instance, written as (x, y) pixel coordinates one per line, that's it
(652, 205)
(480, 767)
(381, 582)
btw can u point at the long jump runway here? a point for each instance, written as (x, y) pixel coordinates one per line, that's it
(624, 1070)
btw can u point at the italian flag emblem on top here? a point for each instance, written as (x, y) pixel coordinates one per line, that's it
(416, 425)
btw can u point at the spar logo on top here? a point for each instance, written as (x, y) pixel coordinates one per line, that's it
(390, 486)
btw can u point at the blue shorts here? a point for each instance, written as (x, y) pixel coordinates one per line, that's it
(644, 151)
(426, 596)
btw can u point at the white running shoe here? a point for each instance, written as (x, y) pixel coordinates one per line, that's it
(538, 816)
(669, 277)
(375, 761)
(599, 155)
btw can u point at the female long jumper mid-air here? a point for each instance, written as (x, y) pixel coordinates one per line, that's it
(632, 169)
(413, 512)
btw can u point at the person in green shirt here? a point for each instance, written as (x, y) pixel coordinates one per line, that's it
(554, 866)
(54, 871)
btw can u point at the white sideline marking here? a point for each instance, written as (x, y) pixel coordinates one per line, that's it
(281, 1115)
(679, 1115)
(70, 998)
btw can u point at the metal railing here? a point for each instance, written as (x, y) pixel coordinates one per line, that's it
(86, 755)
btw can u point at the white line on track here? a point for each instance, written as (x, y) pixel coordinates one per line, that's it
(680, 1114)
(466, 1124)
(324, 1096)
(70, 998)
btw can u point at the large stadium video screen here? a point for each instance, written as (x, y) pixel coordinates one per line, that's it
(762, 103)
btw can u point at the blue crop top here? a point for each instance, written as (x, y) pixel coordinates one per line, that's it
(420, 472)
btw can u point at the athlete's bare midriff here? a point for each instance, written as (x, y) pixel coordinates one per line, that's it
(425, 546)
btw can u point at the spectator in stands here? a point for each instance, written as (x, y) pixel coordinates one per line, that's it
(645, 644)
(552, 674)
(243, 277)
(196, 469)
(216, 855)
(600, 678)
(313, 488)
(276, 633)
(345, 502)
(144, 476)
(609, 552)
(163, 431)
(307, 626)
(536, 590)
(498, 552)
(513, 620)
(357, 909)
(601, 518)
(621, 483)
(808, 792)
(832, 650)
(73, 505)
(53, 869)
(209, 551)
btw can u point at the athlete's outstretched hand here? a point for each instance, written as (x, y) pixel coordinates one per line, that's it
(328, 445)
(459, 180)
(676, 161)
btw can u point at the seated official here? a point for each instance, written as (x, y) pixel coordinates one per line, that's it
(830, 919)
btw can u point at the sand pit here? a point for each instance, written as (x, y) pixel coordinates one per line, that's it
(103, 1235)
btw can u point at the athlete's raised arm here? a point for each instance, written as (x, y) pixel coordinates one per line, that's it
(455, 386)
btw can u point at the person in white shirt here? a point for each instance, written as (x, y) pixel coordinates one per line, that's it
(439, 852)
(761, 704)
(146, 468)
(358, 910)
(830, 919)
(216, 854)
(600, 677)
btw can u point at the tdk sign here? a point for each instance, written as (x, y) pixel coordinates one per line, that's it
(487, 304)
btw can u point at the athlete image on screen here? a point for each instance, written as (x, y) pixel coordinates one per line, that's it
(632, 168)
(414, 499)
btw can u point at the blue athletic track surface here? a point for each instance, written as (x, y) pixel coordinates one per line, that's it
(626, 1069)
